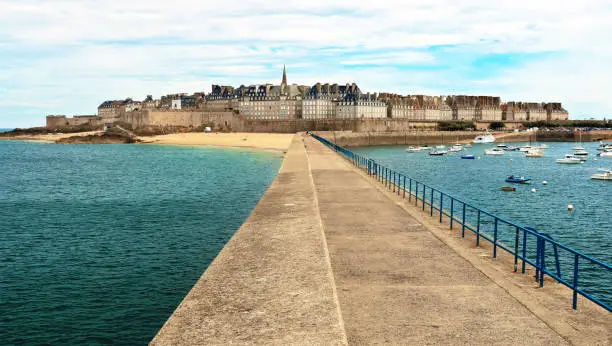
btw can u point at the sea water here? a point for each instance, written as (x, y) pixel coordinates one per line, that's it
(99, 244)
(588, 228)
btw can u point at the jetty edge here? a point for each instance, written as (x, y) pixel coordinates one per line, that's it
(272, 282)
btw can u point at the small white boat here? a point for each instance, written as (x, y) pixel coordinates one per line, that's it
(488, 138)
(569, 159)
(413, 149)
(534, 153)
(525, 148)
(440, 146)
(607, 153)
(604, 146)
(455, 148)
(582, 155)
(542, 146)
(502, 146)
(437, 152)
(606, 175)
(578, 147)
(494, 151)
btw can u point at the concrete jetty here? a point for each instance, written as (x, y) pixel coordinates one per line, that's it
(328, 257)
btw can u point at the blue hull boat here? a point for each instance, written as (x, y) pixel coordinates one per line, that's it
(468, 157)
(518, 180)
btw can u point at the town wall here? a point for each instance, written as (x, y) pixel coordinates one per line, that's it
(55, 122)
(185, 118)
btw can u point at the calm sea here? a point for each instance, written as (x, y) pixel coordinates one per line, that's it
(5, 130)
(587, 229)
(99, 244)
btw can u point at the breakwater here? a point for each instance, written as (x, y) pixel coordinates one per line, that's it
(361, 139)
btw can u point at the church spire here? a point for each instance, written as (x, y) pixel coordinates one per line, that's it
(284, 82)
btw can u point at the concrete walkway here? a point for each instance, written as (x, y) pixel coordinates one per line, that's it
(272, 282)
(397, 283)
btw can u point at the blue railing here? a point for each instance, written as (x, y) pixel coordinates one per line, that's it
(528, 246)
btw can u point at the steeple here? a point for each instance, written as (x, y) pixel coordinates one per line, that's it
(284, 82)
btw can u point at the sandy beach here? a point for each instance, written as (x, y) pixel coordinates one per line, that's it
(267, 141)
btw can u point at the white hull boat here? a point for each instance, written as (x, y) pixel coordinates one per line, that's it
(455, 148)
(494, 151)
(606, 175)
(534, 153)
(606, 154)
(577, 147)
(525, 148)
(569, 159)
(488, 138)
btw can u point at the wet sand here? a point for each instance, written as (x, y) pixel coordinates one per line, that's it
(266, 141)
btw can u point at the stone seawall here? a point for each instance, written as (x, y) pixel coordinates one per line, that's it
(355, 139)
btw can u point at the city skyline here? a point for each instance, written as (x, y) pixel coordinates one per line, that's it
(66, 58)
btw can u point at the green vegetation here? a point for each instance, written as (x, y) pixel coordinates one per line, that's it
(456, 125)
(498, 125)
(569, 123)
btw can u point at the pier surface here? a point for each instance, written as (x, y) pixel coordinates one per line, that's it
(329, 258)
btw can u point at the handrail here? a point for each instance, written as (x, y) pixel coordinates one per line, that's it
(533, 254)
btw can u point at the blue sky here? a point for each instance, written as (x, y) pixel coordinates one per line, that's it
(66, 57)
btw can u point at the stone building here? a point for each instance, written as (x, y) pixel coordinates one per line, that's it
(112, 109)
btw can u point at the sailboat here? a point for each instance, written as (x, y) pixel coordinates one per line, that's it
(579, 145)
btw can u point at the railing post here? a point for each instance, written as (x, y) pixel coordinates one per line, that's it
(404, 193)
(399, 182)
(516, 245)
(463, 222)
(393, 181)
(575, 283)
(543, 261)
(409, 189)
(431, 202)
(416, 193)
(424, 194)
(441, 203)
(524, 251)
(495, 239)
(452, 214)
(478, 229)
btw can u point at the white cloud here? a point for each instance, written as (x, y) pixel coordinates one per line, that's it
(70, 55)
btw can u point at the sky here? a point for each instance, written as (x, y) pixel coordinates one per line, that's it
(67, 57)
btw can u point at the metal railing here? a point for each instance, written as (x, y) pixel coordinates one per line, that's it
(528, 246)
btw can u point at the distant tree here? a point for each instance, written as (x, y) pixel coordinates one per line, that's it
(497, 125)
(455, 126)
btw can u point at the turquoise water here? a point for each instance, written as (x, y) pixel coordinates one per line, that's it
(587, 229)
(5, 130)
(99, 244)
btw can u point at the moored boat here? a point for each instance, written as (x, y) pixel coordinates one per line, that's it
(455, 148)
(518, 180)
(607, 153)
(511, 148)
(468, 157)
(413, 149)
(437, 152)
(525, 148)
(488, 138)
(569, 159)
(604, 146)
(508, 188)
(534, 153)
(494, 151)
(606, 175)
